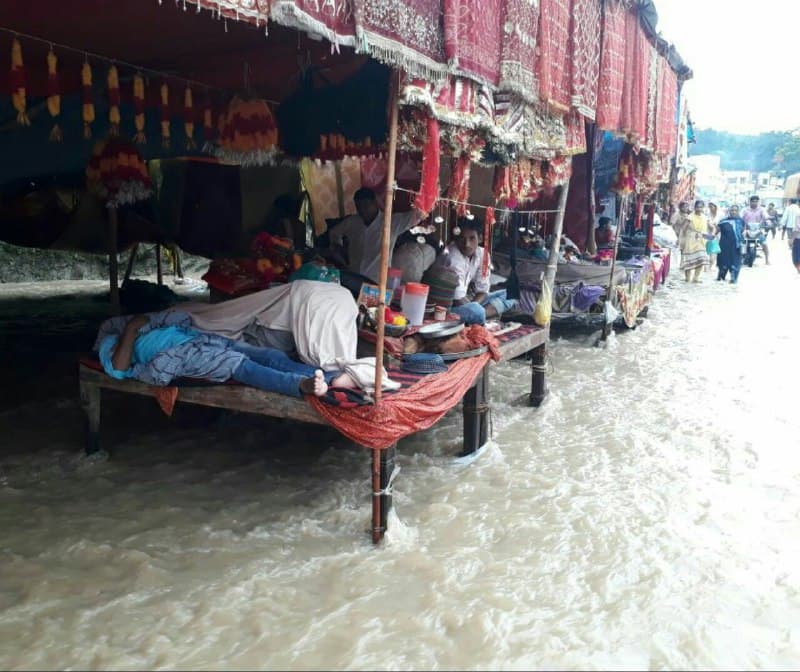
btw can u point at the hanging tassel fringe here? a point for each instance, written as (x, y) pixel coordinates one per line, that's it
(88, 104)
(18, 93)
(54, 96)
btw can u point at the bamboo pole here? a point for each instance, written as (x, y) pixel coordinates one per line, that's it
(386, 238)
(620, 224)
(552, 262)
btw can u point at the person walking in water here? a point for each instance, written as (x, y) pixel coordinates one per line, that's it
(791, 223)
(731, 232)
(693, 243)
(712, 246)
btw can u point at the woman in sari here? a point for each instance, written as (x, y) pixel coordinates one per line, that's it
(692, 240)
(730, 242)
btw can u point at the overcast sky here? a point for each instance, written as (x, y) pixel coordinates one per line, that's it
(735, 50)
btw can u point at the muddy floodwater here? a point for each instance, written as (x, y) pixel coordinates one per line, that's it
(647, 516)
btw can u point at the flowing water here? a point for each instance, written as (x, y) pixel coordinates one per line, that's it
(647, 516)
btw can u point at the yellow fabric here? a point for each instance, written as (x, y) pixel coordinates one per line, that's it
(692, 236)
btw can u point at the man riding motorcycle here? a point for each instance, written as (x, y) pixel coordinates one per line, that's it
(756, 222)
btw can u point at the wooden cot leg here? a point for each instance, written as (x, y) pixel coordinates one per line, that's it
(538, 381)
(476, 414)
(159, 271)
(90, 402)
(131, 260)
(383, 470)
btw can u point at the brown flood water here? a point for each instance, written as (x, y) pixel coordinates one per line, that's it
(647, 516)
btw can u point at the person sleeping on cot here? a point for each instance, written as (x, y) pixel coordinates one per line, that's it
(160, 347)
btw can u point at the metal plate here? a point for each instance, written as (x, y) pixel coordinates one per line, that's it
(451, 357)
(441, 329)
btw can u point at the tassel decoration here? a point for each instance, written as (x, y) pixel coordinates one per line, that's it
(208, 122)
(165, 139)
(54, 96)
(88, 104)
(113, 101)
(488, 227)
(188, 118)
(18, 95)
(138, 109)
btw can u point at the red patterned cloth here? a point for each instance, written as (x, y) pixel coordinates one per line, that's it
(612, 72)
(429, 184)
(667, 110)
(472, 37)
(585, 55)
(552, 67)
(459, 184)
(576, 133)
(520, 25)
(407, 411)
(633, 118)
(403, 33)
(332, 19)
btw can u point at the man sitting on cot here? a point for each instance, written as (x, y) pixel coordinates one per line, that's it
(159, 347)
(465, 257)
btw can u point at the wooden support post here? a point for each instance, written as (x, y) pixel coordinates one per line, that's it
(90, 403)
(382, 470)
(476, 411)
(386, 235)
(131, 260)
(159, 270)
(113, 270)
(621, 218)
(538, 375)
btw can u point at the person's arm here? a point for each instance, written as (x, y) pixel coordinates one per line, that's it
(482, 282)
(403, 221)
(123, 353)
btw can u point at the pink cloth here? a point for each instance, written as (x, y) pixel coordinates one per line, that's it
(552, 67)
(472, 37)
(612, 72)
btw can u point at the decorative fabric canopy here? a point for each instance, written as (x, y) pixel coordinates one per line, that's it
(612, 70)
(518, 49)
(472, 37)
(552, 67)
(585, 55)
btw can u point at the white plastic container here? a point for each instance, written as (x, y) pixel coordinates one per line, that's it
(415, 296)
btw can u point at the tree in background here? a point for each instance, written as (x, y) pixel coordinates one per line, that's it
(756, 153)
(787, 156)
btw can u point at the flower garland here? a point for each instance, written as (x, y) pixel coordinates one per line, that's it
(54, 96)
(87, 110)
(165, 138)
(113, 101)
(138, 109)
(18, 95)
(188, 118)
(208, 121)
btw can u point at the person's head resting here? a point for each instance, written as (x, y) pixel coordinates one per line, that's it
(699, 206)
(604, 223)
(469, 239)
(366, 205)
(754, 201)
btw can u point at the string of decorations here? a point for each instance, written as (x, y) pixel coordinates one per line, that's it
(469, 206)
(88, 55)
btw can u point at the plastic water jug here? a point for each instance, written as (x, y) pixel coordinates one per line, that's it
(415, 296)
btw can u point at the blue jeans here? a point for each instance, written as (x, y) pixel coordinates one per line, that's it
(272, 370)
(475, 313)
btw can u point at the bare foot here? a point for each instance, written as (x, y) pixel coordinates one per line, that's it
(344, 380)
(316, 385)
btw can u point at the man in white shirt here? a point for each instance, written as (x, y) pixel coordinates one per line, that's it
(364, 232)
(472, 300)
(791, 221)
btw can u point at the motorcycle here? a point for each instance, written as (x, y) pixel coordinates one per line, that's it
(753, 239)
